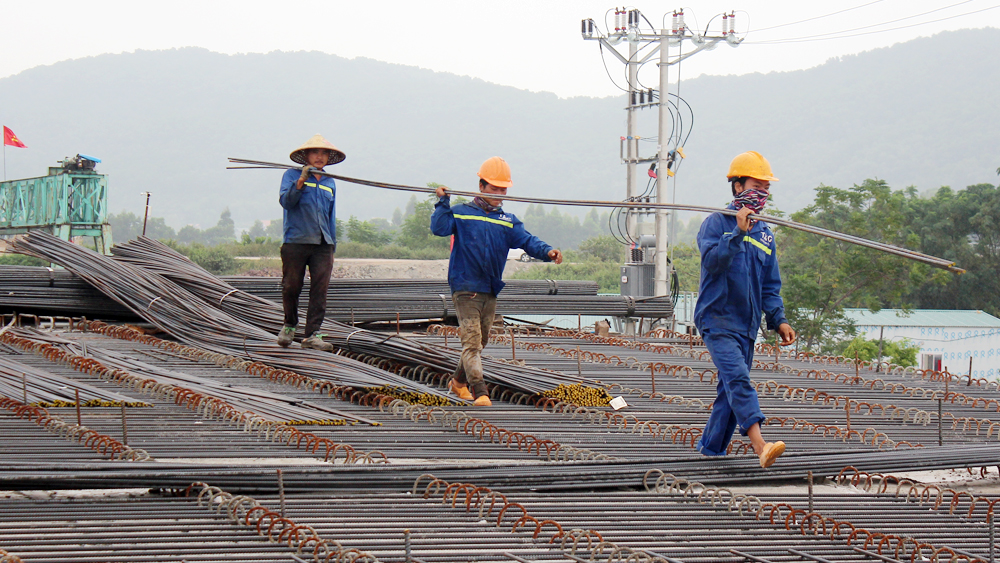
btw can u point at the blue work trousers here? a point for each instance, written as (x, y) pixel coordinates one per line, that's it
(736, 404)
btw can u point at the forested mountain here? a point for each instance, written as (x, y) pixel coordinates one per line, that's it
(921, 113)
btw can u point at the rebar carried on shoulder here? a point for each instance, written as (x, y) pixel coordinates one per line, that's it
(875, 245)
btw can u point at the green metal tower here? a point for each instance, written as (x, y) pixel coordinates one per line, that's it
(71, 201)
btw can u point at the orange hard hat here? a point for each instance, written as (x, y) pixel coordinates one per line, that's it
(752, 165)
(496, 171)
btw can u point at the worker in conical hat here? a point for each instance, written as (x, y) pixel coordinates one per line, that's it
(309, 238)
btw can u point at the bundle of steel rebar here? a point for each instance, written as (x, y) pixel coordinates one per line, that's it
(39, 290)
(548, 476)
(209, 523)
(154, 256)
(875, 245)
(270, 287)
(364, 308)
(271, 406)
(179, 313)
(39, 387)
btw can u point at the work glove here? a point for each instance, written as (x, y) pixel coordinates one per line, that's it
(305, 172)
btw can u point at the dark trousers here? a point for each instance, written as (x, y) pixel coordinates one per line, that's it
(294, 259)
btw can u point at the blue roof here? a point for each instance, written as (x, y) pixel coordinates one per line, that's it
(923, 317)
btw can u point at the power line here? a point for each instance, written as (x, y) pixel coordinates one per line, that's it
(877, 31)
(817, 17)
(608, 71)
(823, 36)
(872, 25)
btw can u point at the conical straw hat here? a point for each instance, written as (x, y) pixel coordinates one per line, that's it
(317, 142)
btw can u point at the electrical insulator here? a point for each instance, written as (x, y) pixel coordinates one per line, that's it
(732, 23)
(642, 97)
(590, 28)
(673, 23)
(649, 95)
(725, 23)
(633, 97)
(618, 20)
(680, 22)
(583, 28)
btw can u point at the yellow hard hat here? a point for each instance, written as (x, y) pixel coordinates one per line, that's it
(496, 171)
(317, 142)
(751, 164)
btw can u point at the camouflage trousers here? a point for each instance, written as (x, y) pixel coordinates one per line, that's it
(475, 317)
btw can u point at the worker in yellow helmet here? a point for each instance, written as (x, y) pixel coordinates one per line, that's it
(484, 233)
(739, 282)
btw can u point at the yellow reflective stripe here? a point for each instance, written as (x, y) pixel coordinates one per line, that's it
(320, 186)
(758, 244)
(487, 219)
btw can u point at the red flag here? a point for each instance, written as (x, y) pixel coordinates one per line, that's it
(9, 138)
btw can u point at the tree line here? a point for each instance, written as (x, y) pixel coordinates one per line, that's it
(821, 277)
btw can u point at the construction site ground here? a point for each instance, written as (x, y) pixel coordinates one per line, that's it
(220, 445)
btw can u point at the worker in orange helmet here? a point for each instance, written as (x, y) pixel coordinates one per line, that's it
(739, 282)
(483, 235)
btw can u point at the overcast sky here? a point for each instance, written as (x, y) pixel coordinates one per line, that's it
(535, 45)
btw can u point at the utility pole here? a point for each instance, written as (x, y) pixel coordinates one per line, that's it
(627, 28)
(631, 145)
(663, 270)
(145, 215)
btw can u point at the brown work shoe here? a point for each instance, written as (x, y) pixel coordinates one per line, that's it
(483, 401)
(316, 343)
(459, 389)
(771, 452)
(286, 336)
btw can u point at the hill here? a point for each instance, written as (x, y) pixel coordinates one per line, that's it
(921, 113)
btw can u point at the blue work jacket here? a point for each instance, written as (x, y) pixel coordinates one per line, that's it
(739, 277)
(482, 241)
(309, 214)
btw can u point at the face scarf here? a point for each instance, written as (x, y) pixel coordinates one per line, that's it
(754, 199)
(481, 203)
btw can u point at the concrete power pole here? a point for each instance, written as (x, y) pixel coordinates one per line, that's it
(627, 28)
(663, 269)
(631, 145)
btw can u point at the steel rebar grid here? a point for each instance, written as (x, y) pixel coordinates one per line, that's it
(156, 257)
(174, 310)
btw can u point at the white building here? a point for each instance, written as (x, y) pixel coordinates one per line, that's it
(947, 339)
